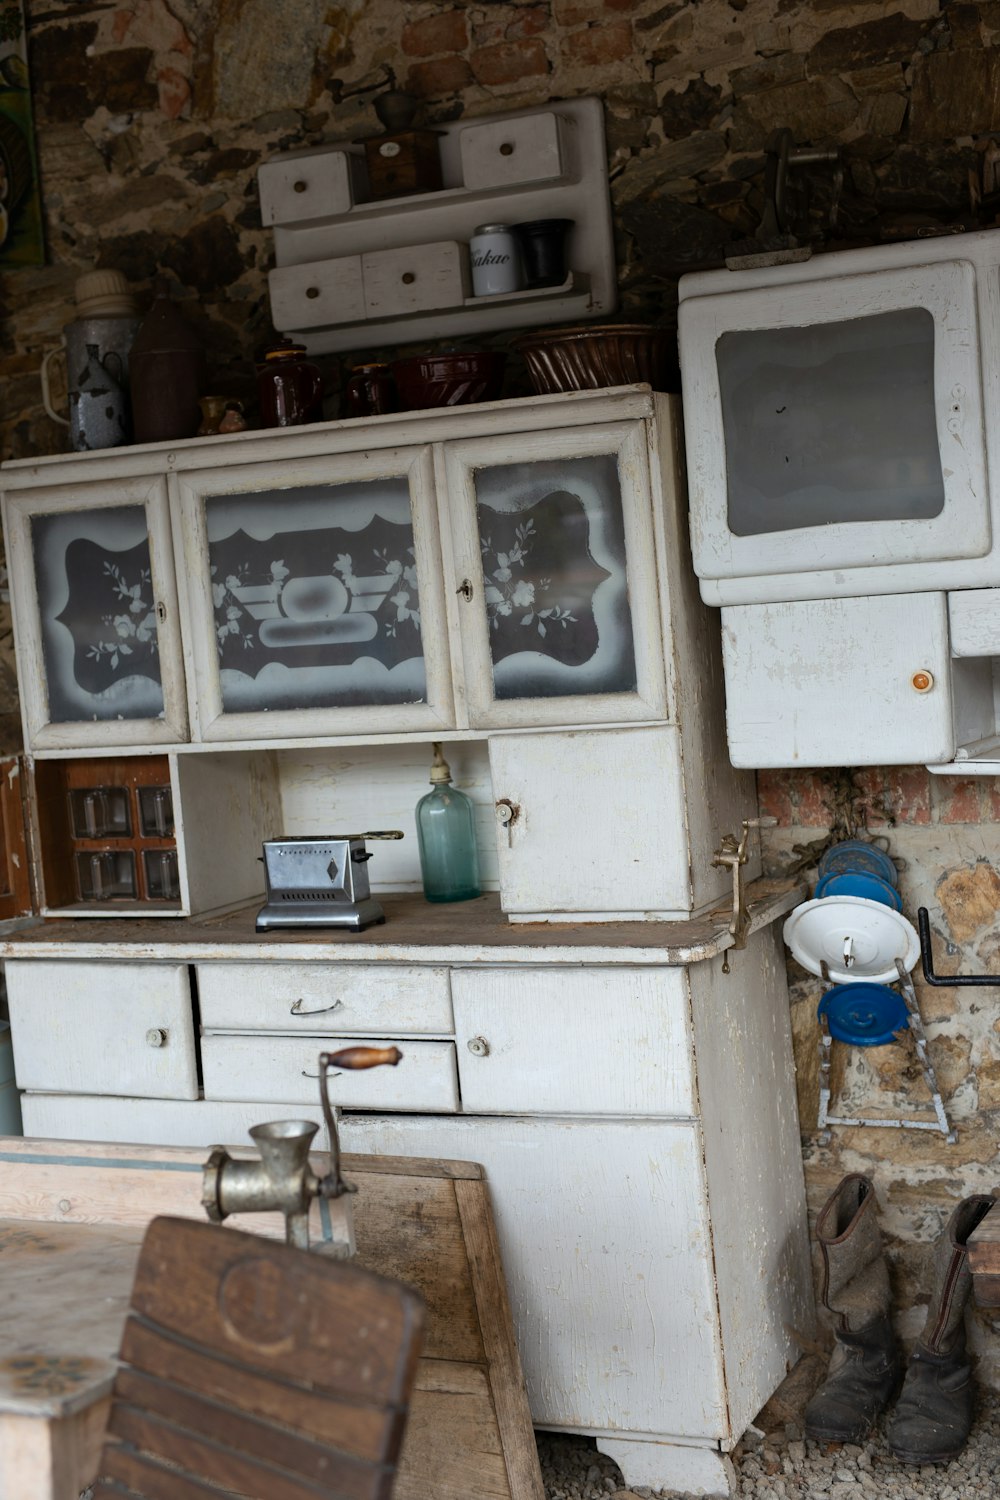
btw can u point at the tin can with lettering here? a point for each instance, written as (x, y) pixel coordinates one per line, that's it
(496, 261)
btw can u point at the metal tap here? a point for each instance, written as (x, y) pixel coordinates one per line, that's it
(281, 1180)
(735, 853)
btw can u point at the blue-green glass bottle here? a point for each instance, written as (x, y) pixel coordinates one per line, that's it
(446, 837)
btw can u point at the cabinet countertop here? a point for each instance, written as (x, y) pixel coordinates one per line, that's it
(415, 931)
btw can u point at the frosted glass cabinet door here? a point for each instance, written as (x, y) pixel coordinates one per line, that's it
(555, 577)
(312, 592)
(95, 614)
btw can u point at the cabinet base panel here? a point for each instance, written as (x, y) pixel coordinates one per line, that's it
(671, 1466)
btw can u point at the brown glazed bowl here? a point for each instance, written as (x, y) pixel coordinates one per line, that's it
(449, 379)
(584, 359)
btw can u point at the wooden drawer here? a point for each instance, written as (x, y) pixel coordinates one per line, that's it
(401, 999)
(293, 189)
(153, 1122)
(417, 278)
(574, 1041)
(510, 151)
(283, 1069)
(103, 1028)
(317, 293)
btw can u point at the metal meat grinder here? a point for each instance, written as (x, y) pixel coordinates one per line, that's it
(281, 1180)
(320, 882)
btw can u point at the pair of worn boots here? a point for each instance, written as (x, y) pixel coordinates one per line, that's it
(932, 1417)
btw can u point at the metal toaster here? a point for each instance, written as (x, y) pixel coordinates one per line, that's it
(320, 882)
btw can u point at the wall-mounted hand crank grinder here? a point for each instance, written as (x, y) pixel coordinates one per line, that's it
(281, 1180)
(320, 882)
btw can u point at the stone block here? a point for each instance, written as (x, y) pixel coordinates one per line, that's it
(445, 75)
(509, 62)
(432, 35)
(955, 94)
(596, 46)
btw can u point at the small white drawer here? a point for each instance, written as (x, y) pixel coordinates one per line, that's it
(506, 152)
(317, 293)
(313, 186)
(315, 998)
(574, 1041)
(417, 278)
(284, 1070)
(102, 1028)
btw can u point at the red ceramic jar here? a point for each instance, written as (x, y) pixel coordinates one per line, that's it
(289, 387)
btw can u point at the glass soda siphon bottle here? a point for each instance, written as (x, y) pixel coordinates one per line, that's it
(446, 836)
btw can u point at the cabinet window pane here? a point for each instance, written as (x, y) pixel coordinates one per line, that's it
(98, 614)
(832, 422)
(552, 537)
(315, 597)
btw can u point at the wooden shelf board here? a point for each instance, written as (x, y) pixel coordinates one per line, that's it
(415, 931)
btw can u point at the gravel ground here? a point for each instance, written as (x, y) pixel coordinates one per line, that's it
(779, 1465)
(774, 1463)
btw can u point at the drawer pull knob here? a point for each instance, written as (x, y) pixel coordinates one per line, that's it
(156, 1037)
(296, 1009)
(922, 681)
(478, 1046)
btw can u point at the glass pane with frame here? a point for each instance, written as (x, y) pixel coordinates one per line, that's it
(315, 596)
(97, 614)
(552, 539)
(831, 422)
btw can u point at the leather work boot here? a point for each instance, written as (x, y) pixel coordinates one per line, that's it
(865, 1365)
(933, 1415)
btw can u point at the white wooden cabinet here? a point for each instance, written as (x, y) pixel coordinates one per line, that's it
(475, 573)
(634, 1108)
(512, 579)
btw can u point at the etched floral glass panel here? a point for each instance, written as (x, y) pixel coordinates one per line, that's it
(315, 598)
(552, 538)
(98, 614)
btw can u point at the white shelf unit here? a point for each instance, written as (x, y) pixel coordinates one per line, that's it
(317, 289)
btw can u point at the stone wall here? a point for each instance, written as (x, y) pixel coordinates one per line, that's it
(153, 115)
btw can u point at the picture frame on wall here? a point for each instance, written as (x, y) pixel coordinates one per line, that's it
(21, 237)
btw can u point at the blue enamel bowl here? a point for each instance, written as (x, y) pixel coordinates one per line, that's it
(854, 856)
(860, 883)
(863, 1015)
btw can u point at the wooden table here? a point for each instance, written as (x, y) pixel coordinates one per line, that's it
(984, 1260)
(72, 1218)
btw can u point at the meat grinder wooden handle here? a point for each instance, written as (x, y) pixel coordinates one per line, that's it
(354, 1058)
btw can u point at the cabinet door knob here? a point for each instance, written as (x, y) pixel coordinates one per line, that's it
(478, 1046)
(922, 681)
(156, 1037)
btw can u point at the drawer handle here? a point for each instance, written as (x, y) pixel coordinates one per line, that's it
(156, 1036)
(297, 1010)
(478, 1046)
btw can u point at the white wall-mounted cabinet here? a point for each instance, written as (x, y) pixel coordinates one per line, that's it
(510, 168)
(894, 679)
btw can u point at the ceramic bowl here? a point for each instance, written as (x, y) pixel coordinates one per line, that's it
(454, 379)
(583, 359)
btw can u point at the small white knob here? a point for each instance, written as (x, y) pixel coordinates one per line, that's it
(479, 1046)
(156, 1037)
